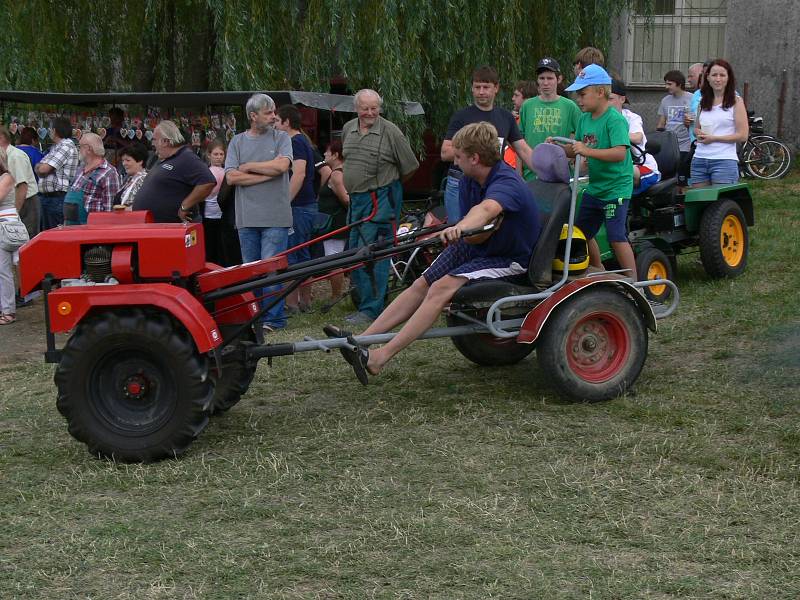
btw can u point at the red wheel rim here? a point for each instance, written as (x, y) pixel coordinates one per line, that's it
(597, 347)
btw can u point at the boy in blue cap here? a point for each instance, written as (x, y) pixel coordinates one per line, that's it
(602, 138)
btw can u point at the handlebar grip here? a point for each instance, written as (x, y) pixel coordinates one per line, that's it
(563, 140)
(478, 230)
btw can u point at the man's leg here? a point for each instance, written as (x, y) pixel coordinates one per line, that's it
(274, 240)
(30, 215)
(401, 309)
(250, 242)
(52, 211)
(439, 294)
(366, 233)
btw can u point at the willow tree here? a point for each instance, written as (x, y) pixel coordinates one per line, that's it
(407, 49)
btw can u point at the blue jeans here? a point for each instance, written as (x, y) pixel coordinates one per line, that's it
(302, 225)
(390, 201)
(451, 201)
(716, 171)
(263, 242)
(52, 210)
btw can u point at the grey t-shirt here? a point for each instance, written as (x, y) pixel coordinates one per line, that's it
(673, 108)
(264, 204)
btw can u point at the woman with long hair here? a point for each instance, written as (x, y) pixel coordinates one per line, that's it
(719, 126)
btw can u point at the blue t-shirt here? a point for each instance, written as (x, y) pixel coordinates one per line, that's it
(519, 230)
(34, 154)
(302, 150)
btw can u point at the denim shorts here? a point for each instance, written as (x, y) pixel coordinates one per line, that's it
(715, 171)
(594, 212)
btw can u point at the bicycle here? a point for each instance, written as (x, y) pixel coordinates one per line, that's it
(763, 156)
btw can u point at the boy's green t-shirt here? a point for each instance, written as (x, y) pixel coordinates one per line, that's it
(607, 180)
(539, 120)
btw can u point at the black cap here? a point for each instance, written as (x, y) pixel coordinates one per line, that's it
(618, 87)
(548, 64)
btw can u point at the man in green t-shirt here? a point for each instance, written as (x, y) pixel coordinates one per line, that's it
(602, 138)
(547, 114)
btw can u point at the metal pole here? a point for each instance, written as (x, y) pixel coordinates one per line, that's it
(781, 103)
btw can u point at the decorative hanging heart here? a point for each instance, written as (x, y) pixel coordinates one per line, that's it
(149, 135)
(139, 133)
(42, 132)
(123, 132)
(132, 133)
(229, 134)
(102, 133)
(13, 128)
(75, 133)
(78, 133)
(211, 135)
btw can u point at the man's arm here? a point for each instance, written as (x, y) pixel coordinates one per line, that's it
(662, 122)
(44, 169)
(20, 193)
(271, 168)
(297, 178)
(478, 216)
(446, 152)
(236, 177)
(524, 152)
(197, 195)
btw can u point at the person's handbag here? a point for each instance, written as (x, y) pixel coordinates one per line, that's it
(13, 234)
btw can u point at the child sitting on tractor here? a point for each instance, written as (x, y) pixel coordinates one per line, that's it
(602, 138)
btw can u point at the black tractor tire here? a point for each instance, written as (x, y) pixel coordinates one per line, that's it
(594, 345)
(486, 350)
(724, 239)
(652, 263)
(237, 375)
(133, 386)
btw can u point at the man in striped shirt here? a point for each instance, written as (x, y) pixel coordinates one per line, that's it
(57, 172)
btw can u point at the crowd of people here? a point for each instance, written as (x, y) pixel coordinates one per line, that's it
(270, 189)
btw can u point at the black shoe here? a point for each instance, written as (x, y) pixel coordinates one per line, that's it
(334, 332)
(22, 303)
(358, 359)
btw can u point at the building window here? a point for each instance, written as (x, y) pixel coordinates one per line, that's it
(678, 34)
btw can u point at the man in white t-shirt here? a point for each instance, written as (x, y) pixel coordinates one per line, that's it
(645, 175)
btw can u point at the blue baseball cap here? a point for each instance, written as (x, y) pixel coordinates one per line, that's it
(590, 75)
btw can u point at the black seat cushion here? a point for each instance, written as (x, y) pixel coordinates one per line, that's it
(483, 292)
(668, 155)
(553, 201)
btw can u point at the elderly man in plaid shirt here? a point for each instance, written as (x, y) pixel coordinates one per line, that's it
(97, 179)
(57, 171)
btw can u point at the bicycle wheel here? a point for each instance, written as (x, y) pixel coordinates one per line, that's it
(767, 158)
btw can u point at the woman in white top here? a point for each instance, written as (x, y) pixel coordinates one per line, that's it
(8, 212)
(720, 124)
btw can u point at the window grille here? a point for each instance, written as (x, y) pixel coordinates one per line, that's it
(678, 34)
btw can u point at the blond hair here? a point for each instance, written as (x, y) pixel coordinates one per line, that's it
(481, 139)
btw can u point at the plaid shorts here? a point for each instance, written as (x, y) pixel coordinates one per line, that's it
(459, 260)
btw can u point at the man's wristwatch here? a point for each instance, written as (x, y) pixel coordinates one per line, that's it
(184, 209)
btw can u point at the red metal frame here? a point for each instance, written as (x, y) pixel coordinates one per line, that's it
(536, 318)
(69, 305)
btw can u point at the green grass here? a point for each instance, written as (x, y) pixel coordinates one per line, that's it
(444, 480)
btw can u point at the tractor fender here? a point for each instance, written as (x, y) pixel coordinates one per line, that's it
(535, 320)
(67, 306)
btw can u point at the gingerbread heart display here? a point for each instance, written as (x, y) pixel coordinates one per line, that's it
(123, 132)
(139, 133)
(149, 135)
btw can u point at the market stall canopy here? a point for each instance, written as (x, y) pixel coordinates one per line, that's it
(332, 102)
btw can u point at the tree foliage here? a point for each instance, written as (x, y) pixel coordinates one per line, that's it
(419, 50)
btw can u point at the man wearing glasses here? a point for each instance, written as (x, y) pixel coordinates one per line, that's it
(177, 182)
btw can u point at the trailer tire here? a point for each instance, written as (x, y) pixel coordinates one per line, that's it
(594, 345)
(486, 350)
(133, 386)
(724, 240)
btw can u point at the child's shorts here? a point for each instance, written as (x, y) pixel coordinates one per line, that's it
(647, 179)
(594, 212)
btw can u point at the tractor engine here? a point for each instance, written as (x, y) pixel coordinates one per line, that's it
(112, 249)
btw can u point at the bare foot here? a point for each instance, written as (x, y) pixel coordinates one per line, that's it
(375, 363)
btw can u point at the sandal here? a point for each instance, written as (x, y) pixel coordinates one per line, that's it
(335, 332)
(8, 319)
(358, 359)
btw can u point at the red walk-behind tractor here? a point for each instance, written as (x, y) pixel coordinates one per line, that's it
(160, 339)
